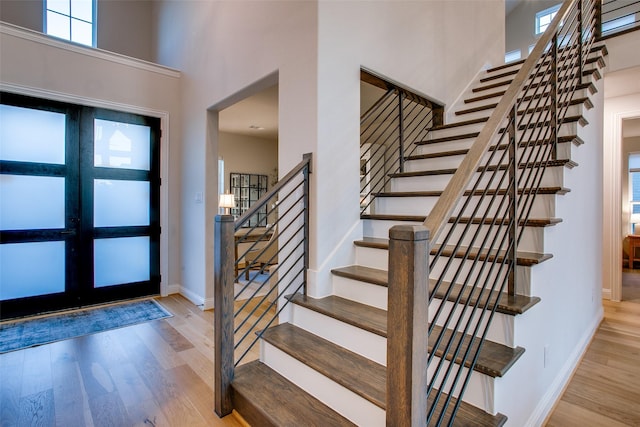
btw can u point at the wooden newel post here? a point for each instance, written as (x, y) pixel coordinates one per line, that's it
(407, 326)
(224, 257)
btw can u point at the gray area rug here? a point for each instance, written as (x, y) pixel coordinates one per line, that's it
(16, 335)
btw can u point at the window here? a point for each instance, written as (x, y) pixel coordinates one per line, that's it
(634, 185)
(72, 20)
(544, 18)
(514, 55)
(618, 23)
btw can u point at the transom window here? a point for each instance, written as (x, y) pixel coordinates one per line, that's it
(544, 18)
(72, 20)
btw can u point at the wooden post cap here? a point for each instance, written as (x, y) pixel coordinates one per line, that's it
(411, 233)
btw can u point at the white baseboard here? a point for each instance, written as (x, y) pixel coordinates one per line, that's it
(191, 296)
(208, 304)
(173, 289)
(606, 294)
(548, 401)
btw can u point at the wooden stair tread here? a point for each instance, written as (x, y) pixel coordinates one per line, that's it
(491, 86)
(506, 304)
(263, 397)
(448, 138)
(562, 139)
(354, 372)
(494, 359)
(484, 97)
(507, 65)
(451, 171)
(460, 123)
(531, 222)
(362, 316)
(478, 192)
(362, 376)
(525, 259)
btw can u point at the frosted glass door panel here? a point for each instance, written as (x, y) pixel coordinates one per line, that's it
(31, 202)
(121, 260)
(29, 135)
(119, 203)
(30, 269)
(122, 145)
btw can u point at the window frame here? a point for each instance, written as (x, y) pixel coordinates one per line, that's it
(70, 17)
(550, 11)
(631, 171)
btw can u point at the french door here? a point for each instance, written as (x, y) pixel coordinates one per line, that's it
(79, 205)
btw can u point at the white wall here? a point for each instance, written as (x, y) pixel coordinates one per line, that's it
(224, 47)
(36, 65)
(433, 47)
(246, 154)
(520, 25)
(124, 26)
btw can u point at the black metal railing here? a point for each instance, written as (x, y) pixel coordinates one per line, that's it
(619, 17)
(479, 220)
(256, 268)
(388, 133)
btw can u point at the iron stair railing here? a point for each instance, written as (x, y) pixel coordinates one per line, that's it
(477, 223)
(256, 267)
(388, 133)
(618, 17)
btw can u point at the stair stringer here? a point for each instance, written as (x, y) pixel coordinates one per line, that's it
(558, 330)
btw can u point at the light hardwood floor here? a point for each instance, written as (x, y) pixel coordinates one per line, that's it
(154, 374)
(605, 388)
(160, 373)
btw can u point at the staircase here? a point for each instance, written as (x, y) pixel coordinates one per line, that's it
(328, 364)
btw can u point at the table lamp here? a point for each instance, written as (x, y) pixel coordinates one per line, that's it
(227, 201)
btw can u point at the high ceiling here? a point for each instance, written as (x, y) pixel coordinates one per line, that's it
(255, 116)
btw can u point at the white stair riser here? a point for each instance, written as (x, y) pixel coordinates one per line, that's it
(543, 205)
(532, 240)
(362, 292)
(532, 237)
(475, 114)
(378, 258)
(342, 400)
(552, 177)
(532, 117)
(500, 331)
(480, 390)
(439, 147)
(566, 129)
(457, 130)
(364, 343)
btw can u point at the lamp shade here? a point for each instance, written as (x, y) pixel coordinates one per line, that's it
(227, 201)
(635, 219)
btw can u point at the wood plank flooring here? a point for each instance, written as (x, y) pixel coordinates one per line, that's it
(605, 388)
(154, 374)
(160, 374)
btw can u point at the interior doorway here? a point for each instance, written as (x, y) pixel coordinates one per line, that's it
(248, 148)
(630, 135)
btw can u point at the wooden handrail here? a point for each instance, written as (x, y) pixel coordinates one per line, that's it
(306, 160)
(438, 218)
